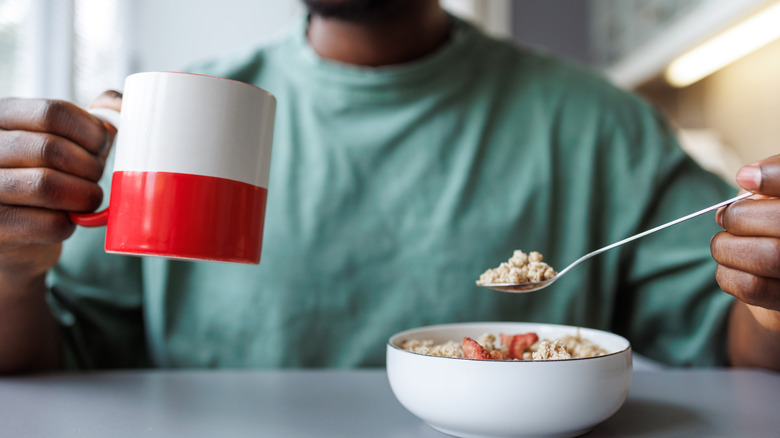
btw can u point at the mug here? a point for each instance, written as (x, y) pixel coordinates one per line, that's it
(191, 168)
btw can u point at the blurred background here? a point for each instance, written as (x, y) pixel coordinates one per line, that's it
(712, 66)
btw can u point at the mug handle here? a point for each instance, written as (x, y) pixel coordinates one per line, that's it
(98, 218)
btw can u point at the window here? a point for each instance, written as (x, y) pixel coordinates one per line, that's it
(64, 49)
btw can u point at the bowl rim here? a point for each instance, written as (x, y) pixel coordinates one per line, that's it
(483, 323)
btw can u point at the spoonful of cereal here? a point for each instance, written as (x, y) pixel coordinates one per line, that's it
(527, 273)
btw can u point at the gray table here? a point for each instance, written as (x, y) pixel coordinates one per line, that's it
(192, 404)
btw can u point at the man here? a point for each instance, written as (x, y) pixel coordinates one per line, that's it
(411, 152)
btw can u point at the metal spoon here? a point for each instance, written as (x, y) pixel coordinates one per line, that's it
(532, 286)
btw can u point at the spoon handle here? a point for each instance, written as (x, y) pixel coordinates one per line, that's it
(653, 230)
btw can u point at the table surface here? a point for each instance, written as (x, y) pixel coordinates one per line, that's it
(347, 403)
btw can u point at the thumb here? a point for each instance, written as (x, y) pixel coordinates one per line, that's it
(761, 177)
(108, 99)
(112, 100)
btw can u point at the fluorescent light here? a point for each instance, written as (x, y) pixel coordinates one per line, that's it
(744, 38)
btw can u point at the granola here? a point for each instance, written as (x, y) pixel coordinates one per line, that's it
(524, 346)
(520, 268)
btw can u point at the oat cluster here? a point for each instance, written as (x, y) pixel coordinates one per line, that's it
(520, 268)
(549, 350)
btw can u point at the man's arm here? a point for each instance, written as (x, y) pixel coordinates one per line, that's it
(748, 256)
(751, 344)
(29, 332)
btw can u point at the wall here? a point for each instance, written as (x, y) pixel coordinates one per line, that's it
(172, 34)
(742, 102)
(557, 26)
(739, 104)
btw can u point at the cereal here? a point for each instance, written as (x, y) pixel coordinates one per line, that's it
(554, 350)
(520, 268)
(448, 349)
(579, 347)
(488, 341)
(523, 346)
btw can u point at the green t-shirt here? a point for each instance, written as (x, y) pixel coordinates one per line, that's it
(392, 189)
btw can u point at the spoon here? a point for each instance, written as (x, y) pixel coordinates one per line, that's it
(532, 286)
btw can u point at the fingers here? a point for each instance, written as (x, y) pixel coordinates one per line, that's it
(28, 149)
(749, 288)
(748, 251)
(112, 100)
(761, 177)
(52, 154)
(47, 188)
(55, 117)
(26, 226)
(756, 255)
(751, 217)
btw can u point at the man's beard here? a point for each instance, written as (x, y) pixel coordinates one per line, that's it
(356, 10)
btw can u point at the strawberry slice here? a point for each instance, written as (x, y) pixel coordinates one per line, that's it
(517, 344)
(472, 349)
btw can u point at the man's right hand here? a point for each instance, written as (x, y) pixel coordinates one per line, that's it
(52, 153)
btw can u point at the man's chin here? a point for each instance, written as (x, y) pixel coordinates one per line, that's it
(353, 10)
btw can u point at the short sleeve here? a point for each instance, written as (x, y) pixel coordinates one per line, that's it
(675, 311)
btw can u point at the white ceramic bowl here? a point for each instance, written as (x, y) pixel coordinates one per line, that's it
(480, 398)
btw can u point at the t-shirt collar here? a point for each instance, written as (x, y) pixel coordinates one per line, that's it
(452, 55)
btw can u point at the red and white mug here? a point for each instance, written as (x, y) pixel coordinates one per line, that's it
(191, 168)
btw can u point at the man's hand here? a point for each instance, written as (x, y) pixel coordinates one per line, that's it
(52, 155)
(748, 256)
